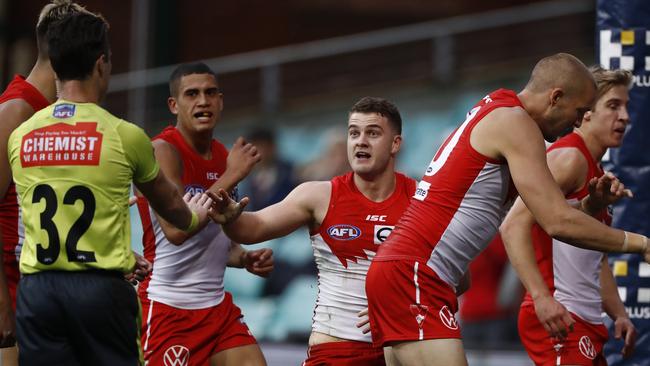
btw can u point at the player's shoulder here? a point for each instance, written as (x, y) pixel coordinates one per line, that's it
(569, 159)
(16, 111)
(314, 187)
(165, 150)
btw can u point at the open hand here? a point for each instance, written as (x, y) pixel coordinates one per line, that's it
(259, 262)
(224, 209)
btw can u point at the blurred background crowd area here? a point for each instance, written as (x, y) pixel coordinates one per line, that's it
(290, 70)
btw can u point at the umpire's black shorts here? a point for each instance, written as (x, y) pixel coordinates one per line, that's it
(77, 318)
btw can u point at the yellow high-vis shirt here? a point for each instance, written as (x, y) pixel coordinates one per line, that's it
(73, 164)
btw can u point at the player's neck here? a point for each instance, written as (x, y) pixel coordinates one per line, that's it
(596, 149)
(42, 78)
(80, 91)
(530, 101)
(200, 142)
(376, 188)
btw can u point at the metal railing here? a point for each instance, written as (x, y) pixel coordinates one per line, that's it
(438, 31)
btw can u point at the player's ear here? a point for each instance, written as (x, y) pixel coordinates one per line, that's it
(171, 104)
(555, 96)
(397, 144)
(101, 65)
(587, 116)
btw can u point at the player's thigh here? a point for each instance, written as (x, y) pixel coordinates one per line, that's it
(389, 356)
(10, 356)
(248, 355)
(431, 352)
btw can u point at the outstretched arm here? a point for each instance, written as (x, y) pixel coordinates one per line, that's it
(240, 161)
(541, 194)
(305, 205)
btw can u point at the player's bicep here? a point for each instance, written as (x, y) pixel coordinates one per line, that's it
(523, 148)
(170, 162)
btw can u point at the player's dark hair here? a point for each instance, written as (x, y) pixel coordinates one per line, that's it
(75, 43)
(53, 11)
(187, 69)
(382, 107)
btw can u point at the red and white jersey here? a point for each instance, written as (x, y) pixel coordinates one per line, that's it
(459, 203)
(572, 274)
(13, 232)
(344, 245)
(190, 275)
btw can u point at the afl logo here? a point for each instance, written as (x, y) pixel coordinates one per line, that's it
(194, 189)
(344, 232)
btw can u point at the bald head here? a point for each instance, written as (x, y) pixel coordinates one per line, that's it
(561, 70)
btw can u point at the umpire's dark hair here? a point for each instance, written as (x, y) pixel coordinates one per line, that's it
(187, 69)
(53, 11)
(382, 107)
(75, 42)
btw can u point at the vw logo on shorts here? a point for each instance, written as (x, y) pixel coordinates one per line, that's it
(177, 355)
(587, 348)
(448, 318)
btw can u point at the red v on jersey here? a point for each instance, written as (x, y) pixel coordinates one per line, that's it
(62, 144)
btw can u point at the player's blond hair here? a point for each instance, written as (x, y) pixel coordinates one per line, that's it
(607, 79)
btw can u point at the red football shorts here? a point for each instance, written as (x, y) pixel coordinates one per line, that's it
(173, 336)
(345, 354)
(407, 301)
(583, 346)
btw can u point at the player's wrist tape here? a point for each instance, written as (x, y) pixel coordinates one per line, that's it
(194, 223)
(625, 243)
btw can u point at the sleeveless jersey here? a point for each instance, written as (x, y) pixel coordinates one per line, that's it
(73, 164)
(572, 274)
(190, 275)
(13, 232)
(344, 245)
(459, 203)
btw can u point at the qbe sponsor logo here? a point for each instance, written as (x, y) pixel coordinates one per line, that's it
(344, 232)
(176, 355)
(422, 190)
(381, 233)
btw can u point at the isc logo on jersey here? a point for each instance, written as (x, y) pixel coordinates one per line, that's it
(343, 232)
(194, 189)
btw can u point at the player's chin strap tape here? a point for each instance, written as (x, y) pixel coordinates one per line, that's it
(194, 223)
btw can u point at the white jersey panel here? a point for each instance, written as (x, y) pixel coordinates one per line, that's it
(190, 275)
(341, 293)
(576, 273)
(473, 225)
